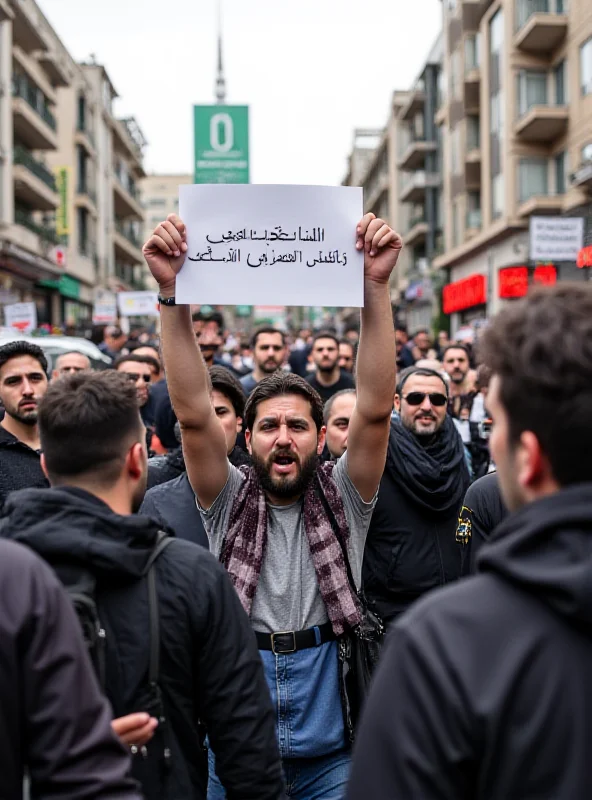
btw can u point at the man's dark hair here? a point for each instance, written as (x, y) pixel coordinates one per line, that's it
(423, 372)
(87, 423)
(197, 316)
(21, 348)
(224, 381)
(350, 344)
(540, 348)
(267, 329)
(462, 347)
(282, 383)
(325, 335)
(152, 362)
(329, 404)
(402, 328)
(422, 330)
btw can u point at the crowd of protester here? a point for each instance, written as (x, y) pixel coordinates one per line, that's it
(240, 534)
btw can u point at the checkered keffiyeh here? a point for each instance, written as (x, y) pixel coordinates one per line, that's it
(244, 546)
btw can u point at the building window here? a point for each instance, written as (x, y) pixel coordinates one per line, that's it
(83, 238)
(560, 84)
(560, 173)
(157, 202)
(532, 90)
(455, 150)
(496, 32)
(497, 196)
(533, 178)
(586, 66)
(472, 59)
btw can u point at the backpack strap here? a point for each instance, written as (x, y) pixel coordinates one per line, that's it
(163, 540)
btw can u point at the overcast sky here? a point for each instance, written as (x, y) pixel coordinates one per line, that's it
(310, 70)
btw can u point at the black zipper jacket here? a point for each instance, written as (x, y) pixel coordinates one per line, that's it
(210, 668)
(484, 690)
(20, 466)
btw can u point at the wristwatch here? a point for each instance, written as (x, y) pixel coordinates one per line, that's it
(166, 301)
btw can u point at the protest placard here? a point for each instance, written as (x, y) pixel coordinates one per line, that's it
(21, 316)
(138, 304)
(271, 245)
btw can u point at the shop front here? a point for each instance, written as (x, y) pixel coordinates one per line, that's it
(514, 281)
(69, 307)
(466, 301)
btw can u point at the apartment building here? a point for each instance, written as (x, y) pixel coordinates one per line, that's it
(70, 217)
(516, 121)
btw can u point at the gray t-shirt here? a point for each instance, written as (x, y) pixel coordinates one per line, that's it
(288, 597)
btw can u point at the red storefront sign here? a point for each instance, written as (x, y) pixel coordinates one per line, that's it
(585, 257)
(513, 281)
(463, 294)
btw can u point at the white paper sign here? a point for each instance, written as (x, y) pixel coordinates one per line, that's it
(556, 238)
(22, 316)
(138, 304)
(271, 245)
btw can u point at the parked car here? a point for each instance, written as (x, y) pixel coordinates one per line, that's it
(54, 346)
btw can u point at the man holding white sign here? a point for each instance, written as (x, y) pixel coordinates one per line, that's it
(279, 526)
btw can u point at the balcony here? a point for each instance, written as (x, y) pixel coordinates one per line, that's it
(542, 124)
(414, 189)
(45, 232)
(582, 178)
(86, 196)
(418, 231)
(472, 159)
(27, 26)
(34, 124)
(34, 183)
(88, 249)
(126, 198)
(474, 223)
(541, 25)
(413, 157)
(541, 204)
(415, 103)
(127, 243)
(56, 67)
(85, 137)
(6, 13)
(472, 88)
(129, 140)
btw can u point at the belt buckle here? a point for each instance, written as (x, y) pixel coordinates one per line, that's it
(283, 652)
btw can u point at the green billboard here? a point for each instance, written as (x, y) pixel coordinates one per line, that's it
(221, 136)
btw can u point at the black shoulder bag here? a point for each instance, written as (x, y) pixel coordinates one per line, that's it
(359, 647)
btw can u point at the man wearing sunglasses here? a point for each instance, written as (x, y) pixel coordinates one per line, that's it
(139, 370)
(412, 546)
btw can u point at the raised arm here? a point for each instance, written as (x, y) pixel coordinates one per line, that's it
(204, 444)
(376, 370)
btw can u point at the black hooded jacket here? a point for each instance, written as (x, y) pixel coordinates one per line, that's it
(484, 689)
(210, 668)
(412, 545)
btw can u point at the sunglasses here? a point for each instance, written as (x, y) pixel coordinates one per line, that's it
(416, 398)
(208, 348)
(134, 376)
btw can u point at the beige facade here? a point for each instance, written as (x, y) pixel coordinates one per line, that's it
(516, 124)
(70, 218)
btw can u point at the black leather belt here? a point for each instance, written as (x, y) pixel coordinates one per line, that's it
(285, 642)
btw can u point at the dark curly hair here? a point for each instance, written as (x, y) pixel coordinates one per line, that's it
(22, 348)
(281, 383)
(541, 350)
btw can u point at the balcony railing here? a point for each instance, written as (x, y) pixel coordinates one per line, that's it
(82, 128)
(128, 233)
(25, 158)
(127, 184)
(474, 219)
(45, 232)
(89, 191)
(417, 219)
(87, 248)
(23, 87)
(526, 8)
(473, 137)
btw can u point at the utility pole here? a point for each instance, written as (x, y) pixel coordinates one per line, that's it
(220, 87)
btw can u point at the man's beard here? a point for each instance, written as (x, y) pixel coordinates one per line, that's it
(456, 379)
(421, 432)
(27, 418)
(285, 488)
(269, 367)
(327, 367)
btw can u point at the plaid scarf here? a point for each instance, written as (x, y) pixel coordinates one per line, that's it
(244, 546)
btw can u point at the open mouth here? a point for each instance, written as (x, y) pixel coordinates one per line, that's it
(283, 463)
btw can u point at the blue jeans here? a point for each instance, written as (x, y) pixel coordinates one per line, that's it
(323, 778)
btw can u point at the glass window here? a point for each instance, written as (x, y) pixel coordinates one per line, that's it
(533, 178)
(497, 196)
(157, 202)
(560, 84)
(496, 32)
(586, 66)
(532, 90)
(560, 173)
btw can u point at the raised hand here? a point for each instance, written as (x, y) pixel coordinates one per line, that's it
(381, 245)
(165, 252)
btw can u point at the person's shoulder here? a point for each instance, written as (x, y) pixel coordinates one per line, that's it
(248, 381)
(24, 571)
(201, 571)
(346, 380)
(483, 489)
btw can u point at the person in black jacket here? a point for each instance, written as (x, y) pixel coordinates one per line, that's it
(54, 722)
(172, 503)
(412, 545)
(23, 383)
(482, 511)
(95, 456)
(484, 688)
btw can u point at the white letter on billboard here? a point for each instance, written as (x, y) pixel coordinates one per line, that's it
(215, 143)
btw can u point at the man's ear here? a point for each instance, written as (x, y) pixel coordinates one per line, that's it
(239, 424)
(321, 440)
(248, 437)
(44, 466)
(135, 461)
(397, 403)
(533, 467)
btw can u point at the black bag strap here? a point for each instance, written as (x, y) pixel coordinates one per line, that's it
(163, 540)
